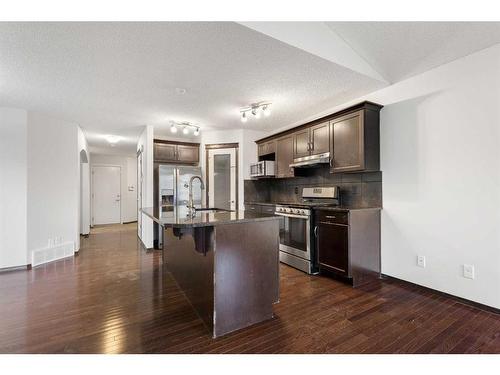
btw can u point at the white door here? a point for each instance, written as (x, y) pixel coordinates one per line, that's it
(106, 194)
(222, 178)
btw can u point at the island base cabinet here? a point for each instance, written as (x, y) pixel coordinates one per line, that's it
(229, 272)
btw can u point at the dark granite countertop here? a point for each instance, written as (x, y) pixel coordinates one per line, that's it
(331, 208)
(179, 218)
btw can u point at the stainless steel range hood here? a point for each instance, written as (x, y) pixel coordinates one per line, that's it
(310, 161)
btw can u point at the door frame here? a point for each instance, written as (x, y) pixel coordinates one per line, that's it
(216, 146)
(92, 190)
(139, 190)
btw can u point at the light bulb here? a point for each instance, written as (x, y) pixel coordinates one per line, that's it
(185, 130)
(197, 132)
(244, 117)
(266, 110)
(256, 113)
(173, 128)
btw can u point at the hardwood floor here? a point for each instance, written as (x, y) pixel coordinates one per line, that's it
(114, 297)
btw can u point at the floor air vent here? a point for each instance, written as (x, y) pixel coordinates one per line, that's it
(50, 254)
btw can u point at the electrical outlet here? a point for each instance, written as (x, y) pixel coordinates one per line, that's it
(421, 261)
(469, 271)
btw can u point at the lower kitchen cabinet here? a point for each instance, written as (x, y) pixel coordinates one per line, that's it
(348, 243)
(252, 207)
(260, 208)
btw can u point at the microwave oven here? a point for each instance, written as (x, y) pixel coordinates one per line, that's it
(263, 168)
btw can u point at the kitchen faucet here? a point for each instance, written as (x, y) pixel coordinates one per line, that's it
(190, 202)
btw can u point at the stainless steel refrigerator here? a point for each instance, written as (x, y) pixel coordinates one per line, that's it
(172, 189)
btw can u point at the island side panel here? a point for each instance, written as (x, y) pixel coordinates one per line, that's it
(364, 235)
(192, 265)
(246, 274)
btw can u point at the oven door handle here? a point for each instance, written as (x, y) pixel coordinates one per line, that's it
(291, 215)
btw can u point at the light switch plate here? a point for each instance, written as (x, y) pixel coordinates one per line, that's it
(469, 271)
(421, 261)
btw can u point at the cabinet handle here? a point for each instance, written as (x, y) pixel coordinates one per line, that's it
(330, 217)
(316, 231)
(312, 146)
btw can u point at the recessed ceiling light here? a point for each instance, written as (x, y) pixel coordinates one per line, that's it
(112, 139)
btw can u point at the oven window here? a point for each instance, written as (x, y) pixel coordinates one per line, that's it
(293, 233)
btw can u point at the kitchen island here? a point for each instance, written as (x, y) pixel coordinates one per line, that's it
(226, 263)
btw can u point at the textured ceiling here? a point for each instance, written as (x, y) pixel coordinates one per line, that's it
(399, 50)
(114, 76)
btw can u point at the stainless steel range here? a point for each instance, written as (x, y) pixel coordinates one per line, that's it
(296, 231)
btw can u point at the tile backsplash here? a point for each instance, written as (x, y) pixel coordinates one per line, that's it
(356, 189)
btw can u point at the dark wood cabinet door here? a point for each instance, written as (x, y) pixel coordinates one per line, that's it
(284, 157)
(333, 247)
(165, 152)
(320, 138)
(188, 154)
(348, 143)
(301, 142)
(261, 149)
(267, 148)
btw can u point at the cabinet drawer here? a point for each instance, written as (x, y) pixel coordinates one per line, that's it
(252, 207)
(267, 209)
(334, 217)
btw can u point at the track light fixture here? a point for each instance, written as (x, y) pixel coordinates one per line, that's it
(256, 110)
(186, 126)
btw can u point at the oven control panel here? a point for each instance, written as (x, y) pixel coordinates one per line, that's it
(293, 211)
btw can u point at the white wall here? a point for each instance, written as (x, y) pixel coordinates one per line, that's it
(247, 152)
(128, 167)
(146, 143)
(53, 181)
(13, 187)
(440, 156)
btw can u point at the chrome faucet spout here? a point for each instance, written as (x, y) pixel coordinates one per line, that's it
(202, 185)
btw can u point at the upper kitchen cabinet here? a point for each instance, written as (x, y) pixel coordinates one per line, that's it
(188, 153)
(313, 140)
(164, 152)
(320, 138)
(284, 156)
(267, 148)
(176, 152)
(301, 143)
(355, 142)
